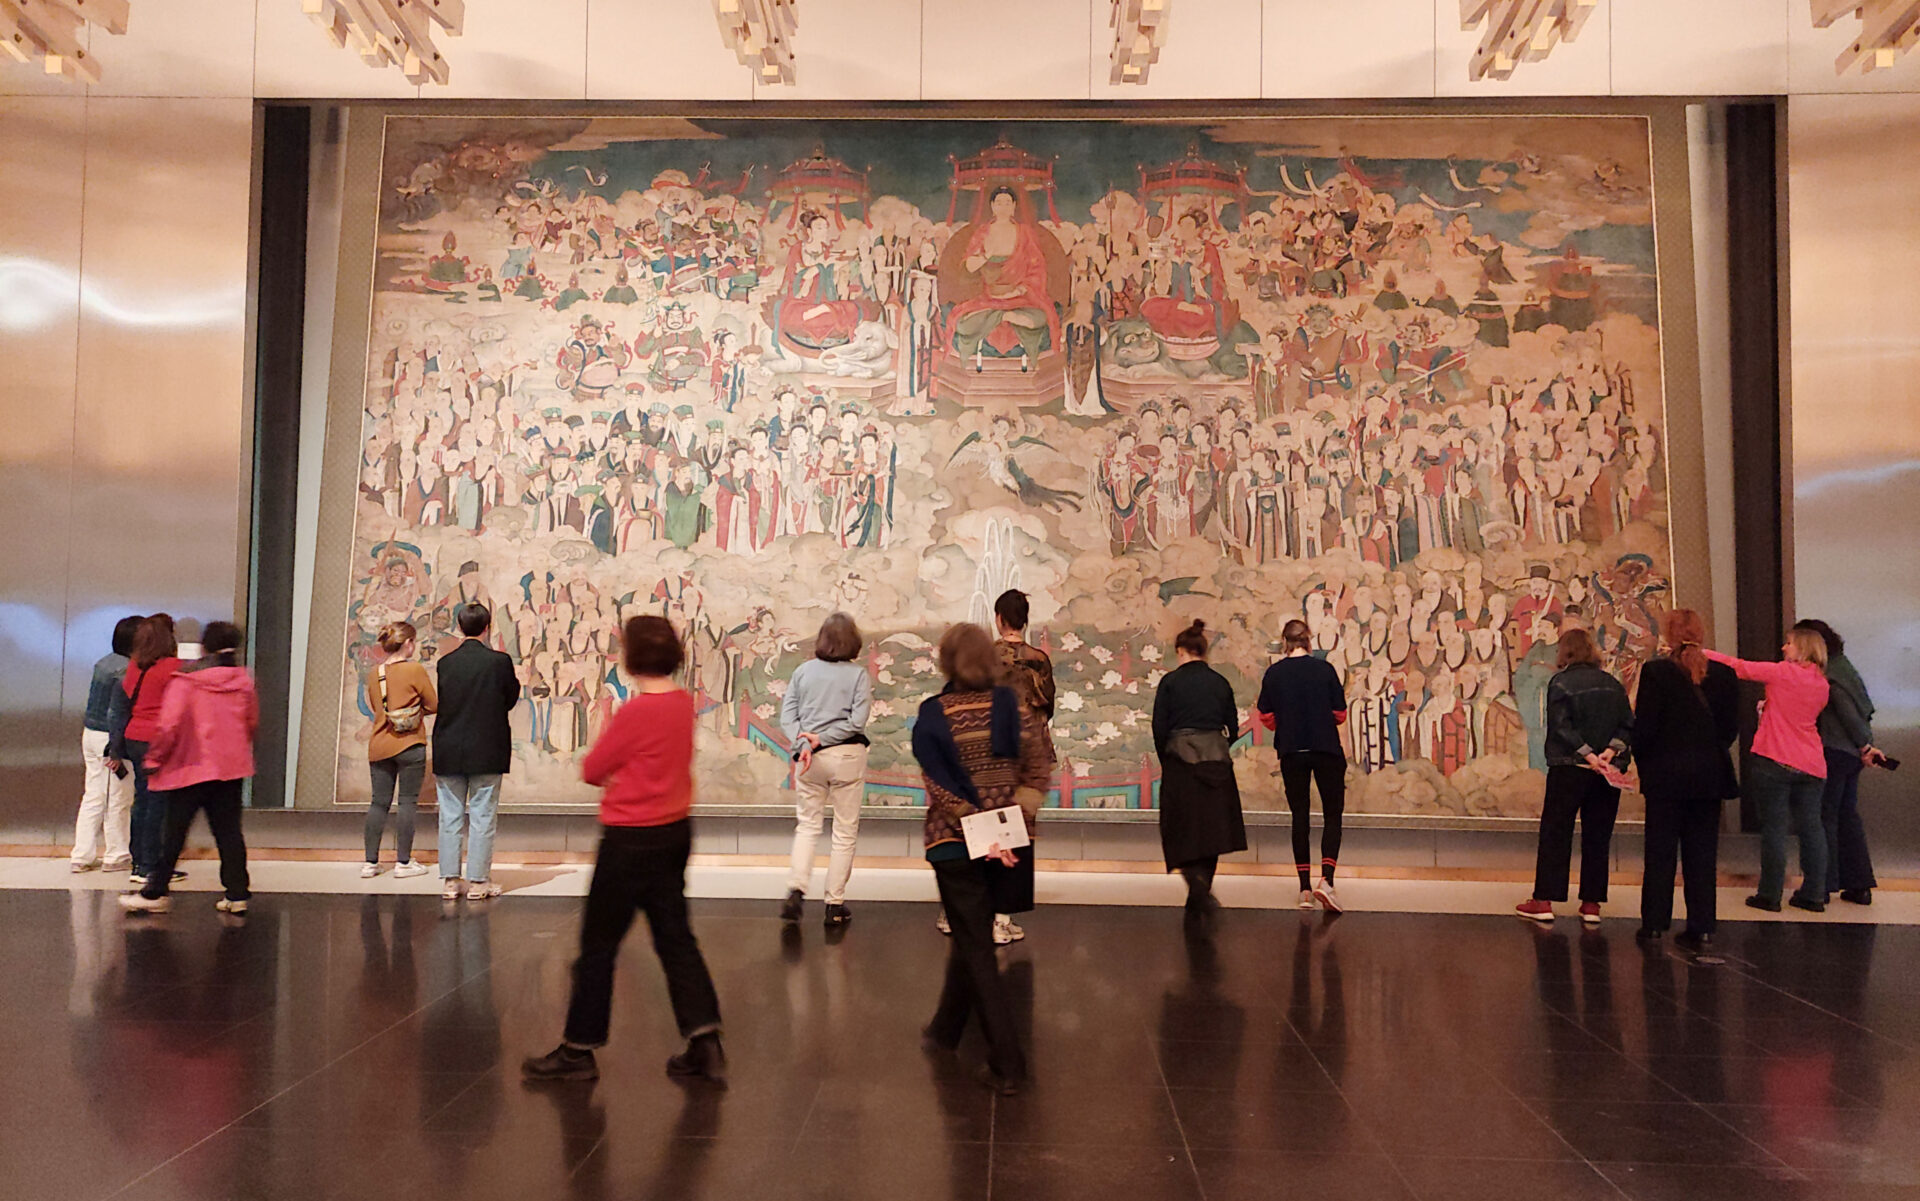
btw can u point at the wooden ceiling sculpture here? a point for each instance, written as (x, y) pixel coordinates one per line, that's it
(50, 30)
(1888, 29)
(391, 31)
(1139, 31)
(760, 34)
(1520, 31)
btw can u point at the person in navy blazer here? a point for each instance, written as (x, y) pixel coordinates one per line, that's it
(472, 749)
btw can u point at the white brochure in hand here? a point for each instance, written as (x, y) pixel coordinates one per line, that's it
(994, 830)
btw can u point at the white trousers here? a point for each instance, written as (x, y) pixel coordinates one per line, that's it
(836, 778)
(106, 805)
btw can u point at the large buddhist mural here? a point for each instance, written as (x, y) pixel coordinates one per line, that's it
(1398, 376)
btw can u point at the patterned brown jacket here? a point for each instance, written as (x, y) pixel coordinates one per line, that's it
(969, 717)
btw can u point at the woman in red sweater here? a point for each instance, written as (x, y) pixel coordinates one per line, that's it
(1789, 768)
(135, 720)
(644, 760)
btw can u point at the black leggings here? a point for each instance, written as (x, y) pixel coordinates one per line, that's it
(1299, 770)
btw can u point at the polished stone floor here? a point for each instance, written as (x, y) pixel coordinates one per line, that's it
(342, 1046)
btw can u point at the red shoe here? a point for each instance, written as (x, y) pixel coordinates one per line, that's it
(1590, 912)
(1539, 911)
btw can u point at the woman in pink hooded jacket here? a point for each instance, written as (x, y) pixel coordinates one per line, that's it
(200, 760)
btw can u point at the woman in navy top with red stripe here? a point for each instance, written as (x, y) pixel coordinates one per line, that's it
(644, 760)
(1303, 702)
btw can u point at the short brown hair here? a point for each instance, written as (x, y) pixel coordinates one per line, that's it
(396, 634)
(154, 641)
(1576, 646)
(968, 658)
(839, 639)
(650, 647)
(1295, 636)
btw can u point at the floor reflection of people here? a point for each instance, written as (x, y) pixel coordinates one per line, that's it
(461, 1031)
(99, 949)
(1322, 1027)
(389, 981)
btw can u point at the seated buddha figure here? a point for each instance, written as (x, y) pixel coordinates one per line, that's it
(1196, 310)
(997, 277)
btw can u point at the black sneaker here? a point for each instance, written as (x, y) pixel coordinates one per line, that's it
(561, 1063)
(1857, 896)
(703, 1059)
(1806, 903)
(1003, 1086)
(1647, 935)
(1759, 902)
(1697, 943)
(791, 907)
(838, 915)
(179, 876)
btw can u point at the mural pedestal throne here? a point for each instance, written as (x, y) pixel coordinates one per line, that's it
(993, 381)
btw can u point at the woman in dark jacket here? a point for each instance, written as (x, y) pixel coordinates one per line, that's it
(1194, 724)
(1686, 716)
(979, 748)
(1846, 736)
(1589, 720)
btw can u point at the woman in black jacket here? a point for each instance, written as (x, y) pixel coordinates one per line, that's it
(1686, 715)
(1589, 720)
(1194, 725)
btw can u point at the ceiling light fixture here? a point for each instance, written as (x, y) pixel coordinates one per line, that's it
(49, 30)
(760, 34)
(1520, 31)
(1888, 29)
(391, 31)
(1139, 31)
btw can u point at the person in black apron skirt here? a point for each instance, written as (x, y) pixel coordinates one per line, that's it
(1194, 724)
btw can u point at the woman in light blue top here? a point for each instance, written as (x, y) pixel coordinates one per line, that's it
(824, 716)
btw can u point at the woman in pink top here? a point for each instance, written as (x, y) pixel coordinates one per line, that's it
(1789, 769)
(200, 757)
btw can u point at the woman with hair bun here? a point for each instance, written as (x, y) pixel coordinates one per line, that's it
(1685, 716)
(400, 693)
(1304, 703)
(1194, 724)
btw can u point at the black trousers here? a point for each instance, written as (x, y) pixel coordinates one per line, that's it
(401, 774)
(1575, 792)
(640, 869)
(1298, 770)
(1687, 833)
(1199, 876)
(1849, 862)
(973, 985)
(220, 801)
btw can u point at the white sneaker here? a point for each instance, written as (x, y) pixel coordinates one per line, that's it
(1325, 894)
(76, 867)
(133, 902)
(1004, 931)
(226, 906)
(940, 923)
(1306, 899)
(451, 888)
(136, 879)
(406, 871)
(482, 890)
(117, 865)
(369, 870)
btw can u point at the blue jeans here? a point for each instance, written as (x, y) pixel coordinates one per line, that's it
(148, 823)
(468, 805)
(1788, 800)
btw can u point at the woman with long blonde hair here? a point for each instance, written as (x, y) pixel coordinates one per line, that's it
(1789, 771)
(400, 693)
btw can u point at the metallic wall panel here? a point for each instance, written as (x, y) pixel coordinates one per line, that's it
(123, 238)
(42, 143)
(159, 455)
(1854, 234)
